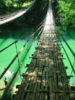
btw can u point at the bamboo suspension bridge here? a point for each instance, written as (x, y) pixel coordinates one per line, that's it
(46, 77)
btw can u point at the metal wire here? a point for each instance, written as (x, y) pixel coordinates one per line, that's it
(20, 51)
(21, 37)
(63, 30)
(72, 66)
(18, 60)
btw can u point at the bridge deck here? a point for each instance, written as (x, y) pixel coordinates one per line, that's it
(46, 77)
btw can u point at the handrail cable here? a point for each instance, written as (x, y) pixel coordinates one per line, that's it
(19, 52)
(6, 90)
(66, 43)
(66, 55)
(63, 30)
(65, 52)
(21, 37)
(73, 64)
(68, 34)
(21, 83)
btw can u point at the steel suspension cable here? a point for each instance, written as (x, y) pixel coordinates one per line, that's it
(66, 55)
(73, 65)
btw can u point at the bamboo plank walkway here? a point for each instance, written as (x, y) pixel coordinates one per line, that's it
(46, 77)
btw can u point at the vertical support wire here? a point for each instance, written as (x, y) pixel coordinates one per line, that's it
(18, 59)
(34, 41)
(28, 46)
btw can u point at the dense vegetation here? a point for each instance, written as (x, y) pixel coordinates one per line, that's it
(65, 13)
(7, 6)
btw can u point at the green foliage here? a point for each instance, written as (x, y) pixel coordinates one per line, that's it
(40, 5)
(66, 11)
(31, 17)
(9, 5)
(1, 5)
(19, 20)
(7, 2)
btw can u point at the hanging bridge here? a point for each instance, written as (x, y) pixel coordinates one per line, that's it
(7, 18)
(46, 77)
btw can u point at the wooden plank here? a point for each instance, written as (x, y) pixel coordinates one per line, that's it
(35, 84)
(39, 81)
(42, 84)
(24, 86)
